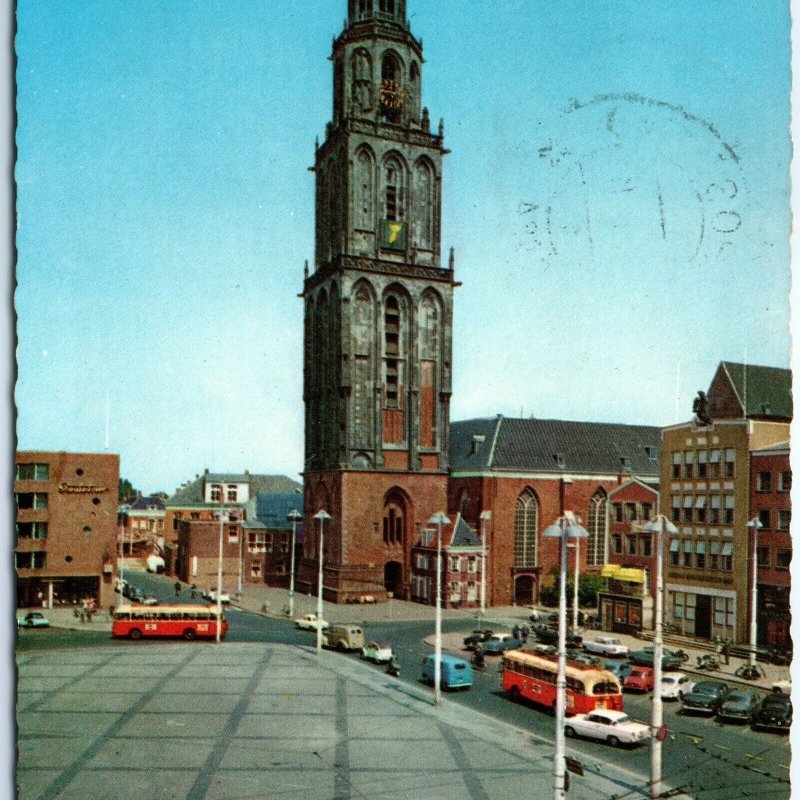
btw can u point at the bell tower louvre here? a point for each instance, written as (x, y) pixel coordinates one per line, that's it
(378, 317)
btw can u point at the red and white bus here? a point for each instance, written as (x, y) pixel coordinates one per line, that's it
(533, 676)
(189, 621)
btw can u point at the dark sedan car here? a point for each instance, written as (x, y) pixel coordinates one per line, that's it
(646, 658)
(477, 637)
(548, 634)
(495, 646)
(739, 705)
(773, 712)
(706, 697)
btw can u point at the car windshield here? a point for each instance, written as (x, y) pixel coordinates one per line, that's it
(707, 688)
(669, 679)
(738, 697)
(621, 720)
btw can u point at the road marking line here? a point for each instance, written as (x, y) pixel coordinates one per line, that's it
(722, 747)
(785, 766)
(755, 758)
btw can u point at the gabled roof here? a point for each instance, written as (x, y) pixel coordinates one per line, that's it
(552, 445)
(768, 390)
(272, 508)
(457, 534)
(192, 493)
(147, 504)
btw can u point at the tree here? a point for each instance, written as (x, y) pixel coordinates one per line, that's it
(127, 493)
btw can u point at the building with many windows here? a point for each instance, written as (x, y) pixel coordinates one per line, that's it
(66, 525)
(706, 490)
(200, 500)
(528, 472)
(461, 566)
(771, 505)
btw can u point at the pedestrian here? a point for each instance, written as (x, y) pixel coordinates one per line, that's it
(516, 631)
(726, 651)
(177, 588)
(525, 633)
(194, 591)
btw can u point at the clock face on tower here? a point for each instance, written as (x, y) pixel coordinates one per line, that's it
(392, 94)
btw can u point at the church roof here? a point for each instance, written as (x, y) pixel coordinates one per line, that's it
(553, 445)
(768, 390)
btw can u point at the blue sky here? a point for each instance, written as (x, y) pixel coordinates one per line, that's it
(617, 196)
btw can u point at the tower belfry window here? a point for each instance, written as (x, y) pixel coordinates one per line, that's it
(392, 212)
(392, 351)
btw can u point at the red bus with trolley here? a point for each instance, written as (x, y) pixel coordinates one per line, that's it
(533, 676)
(187, 621)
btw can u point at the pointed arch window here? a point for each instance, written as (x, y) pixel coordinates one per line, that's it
(393, 522)
(392, 350)
(526, 530)
(596, 552)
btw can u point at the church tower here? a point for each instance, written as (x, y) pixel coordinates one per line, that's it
(378, 316)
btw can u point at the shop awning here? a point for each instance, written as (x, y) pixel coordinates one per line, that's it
(619, 573)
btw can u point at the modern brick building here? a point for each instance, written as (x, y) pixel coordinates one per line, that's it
(706, 490)
(771, 504)
(461, 566)
(378, 316)
(66, 524)
(528, 472)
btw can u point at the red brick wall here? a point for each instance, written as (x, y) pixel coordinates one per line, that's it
(774, 501)
(82, 525)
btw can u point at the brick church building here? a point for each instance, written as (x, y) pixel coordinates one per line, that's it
(378, 316)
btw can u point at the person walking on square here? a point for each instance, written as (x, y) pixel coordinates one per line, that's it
(177, 588)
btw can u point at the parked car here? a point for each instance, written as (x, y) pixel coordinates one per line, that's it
(641, 679)
(147, 600)
(619, 668)
(646, 658)
(706, 697)
(675, 685)
(739, 705)
(496, 646)
(378, 651)
(606, 646)
(477, 637)
(774, 712)
(211, 596)
(548, 634)
(584, 658)
(33, 619)
(614, 727)
(455, 672)
(309, 623)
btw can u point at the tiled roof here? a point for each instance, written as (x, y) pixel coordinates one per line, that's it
(768, 389)
(457, 534)
(147, 503)
(192, 493)
(272, 508)
(552, 445)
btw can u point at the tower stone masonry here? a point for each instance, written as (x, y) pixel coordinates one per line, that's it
(378, 316)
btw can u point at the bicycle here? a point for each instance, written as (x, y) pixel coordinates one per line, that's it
(750, 672)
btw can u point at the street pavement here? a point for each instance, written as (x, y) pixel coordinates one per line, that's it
(272, 602)
(199, 721)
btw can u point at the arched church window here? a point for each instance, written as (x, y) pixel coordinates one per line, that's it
(392, 351)
(364, 191)
(392, 94)
(393, 522)
(596, 548)
(388, 6)
(526, 530)
(423, 204)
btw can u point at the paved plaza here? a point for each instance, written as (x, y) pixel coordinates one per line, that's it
(197, 721)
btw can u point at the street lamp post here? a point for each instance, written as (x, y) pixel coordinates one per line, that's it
(756, 526)
(658, 525)
(294, 516)
(563, 528)
(322, 516)
(576, 546)
(241, 558)
(219, 568)
(485, 517)
(438, 519)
